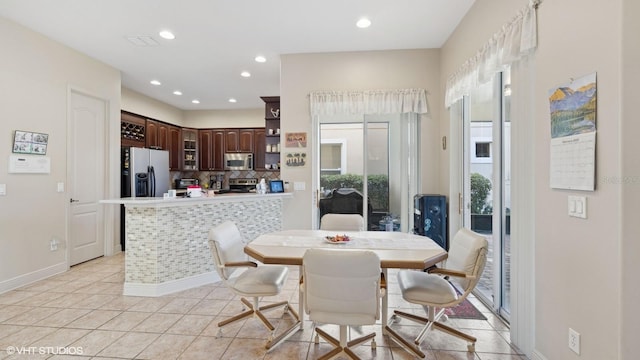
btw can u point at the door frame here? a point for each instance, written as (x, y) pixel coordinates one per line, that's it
(460, 166)
(107, 217)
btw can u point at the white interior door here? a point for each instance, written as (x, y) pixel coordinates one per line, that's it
(86, 144)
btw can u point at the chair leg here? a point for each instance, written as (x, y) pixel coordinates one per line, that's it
(341, 345)
(454, 332)
(411, 348)
(428, 325)
(289, 331)
(235, 318)
(253, 309)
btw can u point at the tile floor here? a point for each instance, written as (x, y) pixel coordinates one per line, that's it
(82, 314)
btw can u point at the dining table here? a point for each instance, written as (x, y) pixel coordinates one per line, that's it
(396, 250)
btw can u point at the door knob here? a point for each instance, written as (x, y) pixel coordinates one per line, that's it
(72, 200)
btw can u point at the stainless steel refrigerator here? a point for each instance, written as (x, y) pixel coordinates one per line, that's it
(145, 173)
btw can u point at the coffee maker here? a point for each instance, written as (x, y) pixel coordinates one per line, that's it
(215, 182)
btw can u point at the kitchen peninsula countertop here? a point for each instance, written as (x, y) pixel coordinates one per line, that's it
(167, 244)
(179, 200)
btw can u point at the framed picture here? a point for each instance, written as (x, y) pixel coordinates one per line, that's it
(297, 139)
(26, 142)
(276, 186)
(297, 159)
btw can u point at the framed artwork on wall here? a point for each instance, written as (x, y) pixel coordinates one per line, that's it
(297, 139)
(26, 142)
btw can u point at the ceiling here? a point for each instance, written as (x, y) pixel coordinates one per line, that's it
(216, 40)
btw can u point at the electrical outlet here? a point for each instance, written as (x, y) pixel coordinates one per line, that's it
(574, 341)
(53, 244)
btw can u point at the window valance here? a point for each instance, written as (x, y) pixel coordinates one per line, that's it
(516, 39)
(368, 102)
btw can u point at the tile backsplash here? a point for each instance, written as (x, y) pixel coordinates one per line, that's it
(203, 176)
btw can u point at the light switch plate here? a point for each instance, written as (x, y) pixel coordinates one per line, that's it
(577, 206)
(299, 185)
(3, 189)
(60, 187)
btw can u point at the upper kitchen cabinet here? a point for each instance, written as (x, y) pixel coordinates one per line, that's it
(189, 149)
(168, 137)
(175, 147)
(259, 146)
(239, 140)
(132, 130)
(152, 135)
(211, 149)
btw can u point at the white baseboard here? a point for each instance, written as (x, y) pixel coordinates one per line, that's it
(535, 355)
(153, 290)
(26, 279)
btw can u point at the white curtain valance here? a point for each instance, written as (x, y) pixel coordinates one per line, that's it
(368, 102)
(513, 42)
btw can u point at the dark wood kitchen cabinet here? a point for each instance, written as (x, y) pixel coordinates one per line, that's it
(259, 146)
(239, 140)
(175, 147)
(190, 149)
(132, 130)
(211, 149)
(163, 136)
(152, 134)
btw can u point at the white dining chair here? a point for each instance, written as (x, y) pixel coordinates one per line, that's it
(435, 289)
(246, 278)
(342, 287)
(342, 222)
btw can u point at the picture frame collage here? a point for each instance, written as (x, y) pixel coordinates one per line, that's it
(27, 142)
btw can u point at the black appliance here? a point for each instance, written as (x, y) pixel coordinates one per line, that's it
(430, 218)
(345, 201)
(184, 183)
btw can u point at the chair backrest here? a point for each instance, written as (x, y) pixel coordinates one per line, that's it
(467, 253)
(342, 222)
(342, 286)
(226, 246)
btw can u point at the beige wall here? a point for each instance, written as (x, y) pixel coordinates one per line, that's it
(245, 118)
(303, 73)
(577, 272)
(36, 76)
(630, 182)
(137, 103)
(140, 104)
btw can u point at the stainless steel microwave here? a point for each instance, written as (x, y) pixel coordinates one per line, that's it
(238, 161)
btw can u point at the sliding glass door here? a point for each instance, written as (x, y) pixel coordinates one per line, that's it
(487, 184)
(359, 170)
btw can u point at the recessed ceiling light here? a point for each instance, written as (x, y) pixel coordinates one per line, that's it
(261, 59)
(155, 82)
(363, 23)
(232, 100)
(195, 101)
(245, 74)
(177, 92)
(166, 34)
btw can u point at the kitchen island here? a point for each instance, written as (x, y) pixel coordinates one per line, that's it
(167, 239)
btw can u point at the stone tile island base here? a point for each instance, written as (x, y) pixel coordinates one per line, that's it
(167, 247)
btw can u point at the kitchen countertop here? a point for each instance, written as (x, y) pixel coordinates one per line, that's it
(178, 201)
